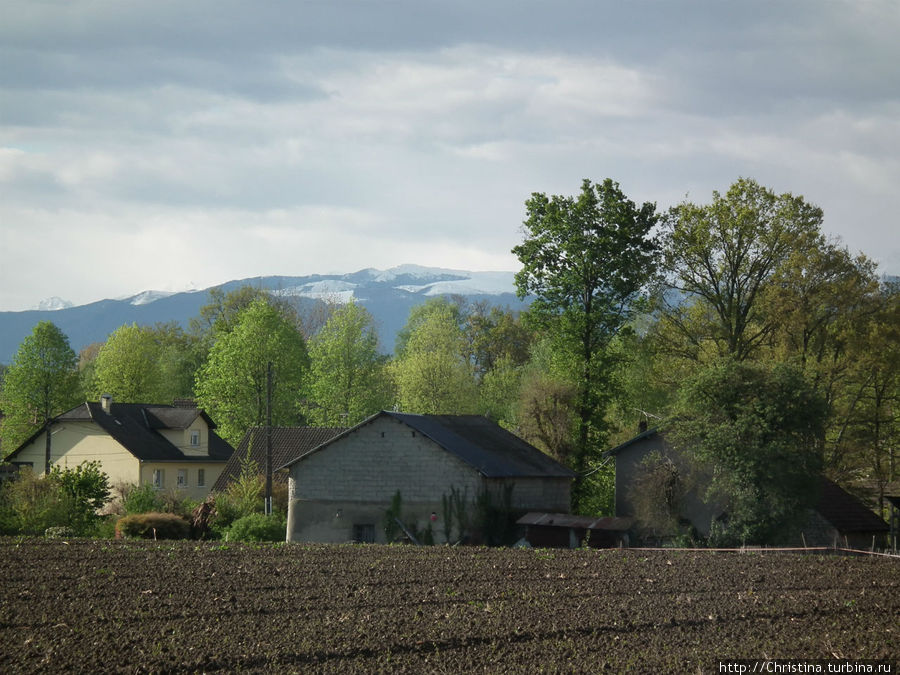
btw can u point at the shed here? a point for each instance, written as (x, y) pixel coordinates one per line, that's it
(563, 530)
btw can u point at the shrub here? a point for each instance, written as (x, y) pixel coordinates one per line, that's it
(32, 503)
(153, 526)
(141, 499)
(59, 532)
(257, 527)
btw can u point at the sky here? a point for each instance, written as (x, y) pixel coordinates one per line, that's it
(175, 145)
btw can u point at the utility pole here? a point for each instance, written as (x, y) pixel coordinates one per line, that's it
(269, 438)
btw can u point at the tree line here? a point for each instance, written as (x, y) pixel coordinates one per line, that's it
(760, 344)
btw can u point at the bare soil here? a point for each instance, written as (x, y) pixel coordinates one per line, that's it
(184, 607)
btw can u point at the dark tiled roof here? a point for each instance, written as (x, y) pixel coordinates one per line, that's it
(845, 512)
(288, 443)
(484, 445)
(135, 425)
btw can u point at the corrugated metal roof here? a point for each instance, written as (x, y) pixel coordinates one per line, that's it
(610, 523)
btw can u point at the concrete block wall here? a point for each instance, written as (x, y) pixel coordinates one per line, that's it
(375, 461)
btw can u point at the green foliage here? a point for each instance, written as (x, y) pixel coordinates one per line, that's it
(127, 367)
(757, 431)
(153, 526)
(59, 532)
(232, 386)
(722, 255)
(40, 383)
(587, 259)
(393, 513)
(433, 375)
(257, 527)
(348, 381)
(141, 499)
(87, 484)
(493, 524)
(30, 504)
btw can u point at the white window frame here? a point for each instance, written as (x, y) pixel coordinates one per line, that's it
(159, 478)
(181, 479)
(195, 438)
(201, 477)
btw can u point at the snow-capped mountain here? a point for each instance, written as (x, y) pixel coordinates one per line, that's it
(387, 294)
(53, 304)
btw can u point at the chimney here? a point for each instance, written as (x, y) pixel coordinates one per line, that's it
(106, 403)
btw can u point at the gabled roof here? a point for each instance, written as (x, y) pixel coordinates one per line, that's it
(845, 512)
(135, 427)
(631, 441)
(288, 443)
(482, 444)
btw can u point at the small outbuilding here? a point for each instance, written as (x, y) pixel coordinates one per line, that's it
(564, 530)
(342, 489)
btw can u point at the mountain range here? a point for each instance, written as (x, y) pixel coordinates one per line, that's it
(387, 294)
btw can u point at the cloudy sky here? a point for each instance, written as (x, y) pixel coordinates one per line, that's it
(173, 145)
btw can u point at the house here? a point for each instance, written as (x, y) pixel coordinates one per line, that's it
(342, 489)
(288, 443)
(838, 518)
(168, 446)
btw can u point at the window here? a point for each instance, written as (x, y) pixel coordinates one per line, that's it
(159, 478)
(182, 478)
(195, 438)
(364, 533)
(201, 478)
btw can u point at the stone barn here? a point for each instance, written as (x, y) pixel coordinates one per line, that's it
(341, 490)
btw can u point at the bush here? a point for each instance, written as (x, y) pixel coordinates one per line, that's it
(31, 504)
(153, 526)
(59, 532)
(257, 527)
(141, 499)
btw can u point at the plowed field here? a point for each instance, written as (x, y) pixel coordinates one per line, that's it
(125, 606)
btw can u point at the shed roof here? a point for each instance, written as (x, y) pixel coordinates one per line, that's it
(288, 443)
(482, 444)
(610, 523)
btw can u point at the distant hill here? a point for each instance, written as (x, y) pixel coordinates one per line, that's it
(387, 294)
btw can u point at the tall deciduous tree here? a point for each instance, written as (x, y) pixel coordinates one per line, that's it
(41, 382)
(347, 377)
(722, 255)
(232, 385)
(755, 430)
(434, 375)
(587, 260)
(128, 367)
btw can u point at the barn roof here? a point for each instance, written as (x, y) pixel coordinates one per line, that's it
(482, 444)
(288, 443)
(611, 523)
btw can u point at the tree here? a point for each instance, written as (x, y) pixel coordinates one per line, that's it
(127, 367)
(756, 430)
(347, 378)
(40, 383)
(232, 385)
(719, 258)
(433, 375)
(587, 260)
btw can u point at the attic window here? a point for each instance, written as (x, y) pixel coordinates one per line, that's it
(195, 438)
